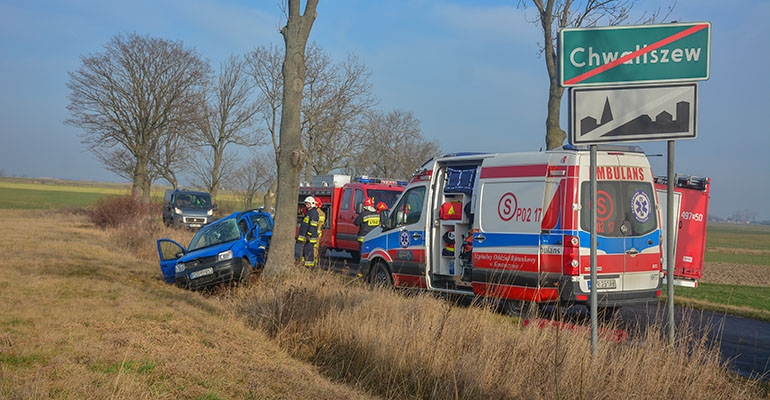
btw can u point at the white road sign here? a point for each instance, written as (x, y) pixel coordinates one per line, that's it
(632, 113)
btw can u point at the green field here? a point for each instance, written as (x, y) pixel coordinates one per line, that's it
(43, 194)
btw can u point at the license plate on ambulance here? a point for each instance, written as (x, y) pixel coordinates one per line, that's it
(604, 284)
(203, 272)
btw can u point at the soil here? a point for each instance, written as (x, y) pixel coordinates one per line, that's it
(736, 274)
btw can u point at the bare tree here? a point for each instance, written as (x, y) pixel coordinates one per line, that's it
(229, 120)
(337, 96)
(291, 155)
(395, 146)
(130, 97)
(553, 15)
(265, 66)
(253, 177)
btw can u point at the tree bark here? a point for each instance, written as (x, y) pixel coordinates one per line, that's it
(291, 156)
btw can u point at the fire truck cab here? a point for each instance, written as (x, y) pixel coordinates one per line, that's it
(342, 196)
(524, 223)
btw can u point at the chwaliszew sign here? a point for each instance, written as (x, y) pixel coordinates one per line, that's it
(614, 55)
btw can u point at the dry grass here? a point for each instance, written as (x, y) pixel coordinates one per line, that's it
(422, 347)
(84, 314)
(83, 318)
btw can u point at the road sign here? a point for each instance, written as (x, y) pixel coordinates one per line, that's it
(632, 113)
(638, 54)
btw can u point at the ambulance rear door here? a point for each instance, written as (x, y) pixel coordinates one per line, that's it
(628, 235)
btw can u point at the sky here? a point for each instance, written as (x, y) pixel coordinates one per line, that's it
(470, 71)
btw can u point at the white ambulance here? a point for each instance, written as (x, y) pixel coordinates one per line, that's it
(515, 227)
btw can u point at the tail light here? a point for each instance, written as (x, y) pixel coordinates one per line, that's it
(571, 259)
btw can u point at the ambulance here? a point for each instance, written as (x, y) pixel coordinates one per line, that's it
(341, 196)
(691, 202)
(515, 228)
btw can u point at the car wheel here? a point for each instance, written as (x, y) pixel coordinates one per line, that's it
(245, 272)
(381, 277)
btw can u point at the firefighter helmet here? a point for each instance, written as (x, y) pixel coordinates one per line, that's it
(318, 202)
(369, 202)
(382, 206)
(310, 200)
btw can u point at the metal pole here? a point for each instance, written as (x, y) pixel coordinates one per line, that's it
(670, 226)
(594, 300)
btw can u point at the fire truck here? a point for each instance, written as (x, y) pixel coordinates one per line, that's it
(342, 196)
(691, 200)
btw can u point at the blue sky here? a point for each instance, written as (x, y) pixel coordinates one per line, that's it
(470, 71)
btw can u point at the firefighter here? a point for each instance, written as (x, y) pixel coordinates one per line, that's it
(308, 232)
(321, 220)
(381, 206)
(367, 220)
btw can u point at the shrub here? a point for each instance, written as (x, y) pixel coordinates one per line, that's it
(114, 211)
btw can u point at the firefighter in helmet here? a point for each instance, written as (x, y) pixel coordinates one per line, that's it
(308, 232)
(367, 220)
(321, 220)
(381, 206)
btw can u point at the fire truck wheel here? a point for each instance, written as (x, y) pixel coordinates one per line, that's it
(381, 277)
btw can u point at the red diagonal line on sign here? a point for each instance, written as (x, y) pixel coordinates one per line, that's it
(598, 70)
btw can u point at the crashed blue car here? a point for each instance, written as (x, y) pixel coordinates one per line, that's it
(227, 250)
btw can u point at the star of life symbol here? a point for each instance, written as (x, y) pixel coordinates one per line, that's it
(403, 238)
(641, 206)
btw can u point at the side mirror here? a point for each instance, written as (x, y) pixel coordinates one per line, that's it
(384, 220)
(359, 208)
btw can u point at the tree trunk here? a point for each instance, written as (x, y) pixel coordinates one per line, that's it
(291, 156)
(554, 135)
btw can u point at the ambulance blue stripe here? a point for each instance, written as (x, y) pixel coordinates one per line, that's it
(609, 245)
(509, 239)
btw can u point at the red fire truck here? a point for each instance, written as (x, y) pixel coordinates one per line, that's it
(341, 196)
(691, 201)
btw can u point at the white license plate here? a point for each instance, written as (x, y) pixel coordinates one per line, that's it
(203, 272)
(606, 284)
(195, 225)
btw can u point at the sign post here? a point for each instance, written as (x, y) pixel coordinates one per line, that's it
(605, 57)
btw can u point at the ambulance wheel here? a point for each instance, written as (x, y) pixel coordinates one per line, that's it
(608, 313)
(522, 309)
(381, 277)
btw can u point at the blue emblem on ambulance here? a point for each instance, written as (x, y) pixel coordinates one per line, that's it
(403, 238)
(641, 207)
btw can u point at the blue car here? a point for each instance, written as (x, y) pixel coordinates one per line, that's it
(226, 250)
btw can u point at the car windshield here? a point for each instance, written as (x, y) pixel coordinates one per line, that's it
(222, 231)
(194, 200)
(387, 196)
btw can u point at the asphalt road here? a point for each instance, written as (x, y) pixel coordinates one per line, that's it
(744, 343)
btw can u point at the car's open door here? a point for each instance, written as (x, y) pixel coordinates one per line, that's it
(169, 252)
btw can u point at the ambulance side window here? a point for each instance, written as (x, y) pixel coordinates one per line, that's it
(409, 209)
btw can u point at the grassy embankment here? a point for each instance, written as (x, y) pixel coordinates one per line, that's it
(85, 314)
